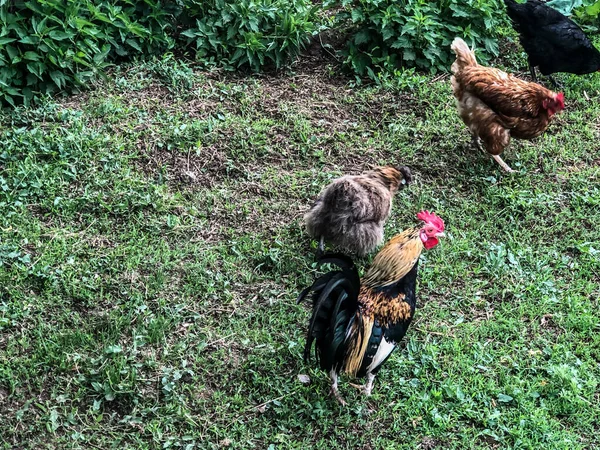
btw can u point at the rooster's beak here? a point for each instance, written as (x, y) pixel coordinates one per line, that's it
(441, 234)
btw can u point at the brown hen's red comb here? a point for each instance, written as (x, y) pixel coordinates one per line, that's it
(561, 99)
(429, 217)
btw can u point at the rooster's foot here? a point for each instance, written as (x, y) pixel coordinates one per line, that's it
(334, 388)
(367, 387)
(338, 397)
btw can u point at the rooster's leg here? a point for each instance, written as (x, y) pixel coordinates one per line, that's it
(367, 387)
(369, 384)
(502, 163)
(322, 245)
(334, 388)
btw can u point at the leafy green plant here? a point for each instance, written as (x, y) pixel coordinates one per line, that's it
(47, 46)
(588, 13)
(567, 6)
(249, 32)
(585, 11)
(389, 34)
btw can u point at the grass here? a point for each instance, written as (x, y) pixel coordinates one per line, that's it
(152, 249)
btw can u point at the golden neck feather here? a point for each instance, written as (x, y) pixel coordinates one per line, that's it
(395, 259)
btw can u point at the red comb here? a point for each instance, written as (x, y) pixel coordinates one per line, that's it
(561, 99)
(429, 217)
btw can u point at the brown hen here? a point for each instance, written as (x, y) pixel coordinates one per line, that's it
(496, 105)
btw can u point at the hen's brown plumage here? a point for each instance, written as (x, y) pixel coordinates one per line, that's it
(496, 105)
(351, 211)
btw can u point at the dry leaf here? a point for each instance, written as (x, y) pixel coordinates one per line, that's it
(304, 379)
(261, 408)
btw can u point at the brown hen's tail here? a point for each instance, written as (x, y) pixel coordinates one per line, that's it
(464, 56)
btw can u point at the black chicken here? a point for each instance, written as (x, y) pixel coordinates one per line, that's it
(553, 42)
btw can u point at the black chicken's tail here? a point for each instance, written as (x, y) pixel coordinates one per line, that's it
(335, 303)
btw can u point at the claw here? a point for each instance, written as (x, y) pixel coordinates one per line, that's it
(502, 163)
(367, 387)
(338, 397)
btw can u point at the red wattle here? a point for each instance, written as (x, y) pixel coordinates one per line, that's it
(430, 243)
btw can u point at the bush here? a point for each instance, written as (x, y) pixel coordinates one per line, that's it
(51, 45)
(235, 33)
(389, 34)
(48, 45)
(587, 14)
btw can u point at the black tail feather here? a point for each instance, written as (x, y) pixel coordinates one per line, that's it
(339, 259)
(321, 304)
(335, 302)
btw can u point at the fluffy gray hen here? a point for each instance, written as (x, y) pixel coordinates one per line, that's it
(351, 211)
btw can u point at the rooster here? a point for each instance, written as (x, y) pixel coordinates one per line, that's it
(553, 42)
(357, 323)
(497, 106)
(351, 211)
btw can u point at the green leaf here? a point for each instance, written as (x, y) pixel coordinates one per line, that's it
(31, 56)
(31, 40)
(12, 52)
(191, 33)
(58, 78)
(565, 6)
(36, 68)
(409, 55)
(593, 10)
(60, 35)
(10, 100)
(134, 43)
(357, 15)
(388, 33)
(362, 37)
(503, 398)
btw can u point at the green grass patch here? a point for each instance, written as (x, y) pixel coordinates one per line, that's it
(152, 249)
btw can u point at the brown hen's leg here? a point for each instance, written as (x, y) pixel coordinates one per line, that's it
(502, 163)
(476, 141)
